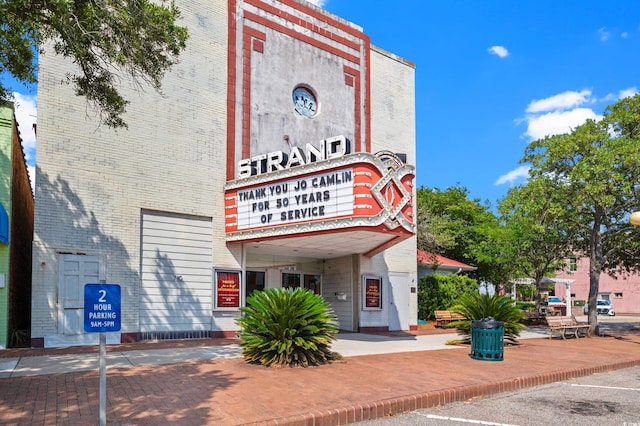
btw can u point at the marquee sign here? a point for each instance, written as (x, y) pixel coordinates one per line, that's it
(329, 148)
(351, 191)
(313, 197)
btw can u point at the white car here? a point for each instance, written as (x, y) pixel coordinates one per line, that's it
(602, 307)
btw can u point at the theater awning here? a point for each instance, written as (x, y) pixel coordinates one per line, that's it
(357, 203)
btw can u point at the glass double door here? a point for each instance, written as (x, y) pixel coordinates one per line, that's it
(297, 279)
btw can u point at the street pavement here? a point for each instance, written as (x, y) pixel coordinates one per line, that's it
(208, 383)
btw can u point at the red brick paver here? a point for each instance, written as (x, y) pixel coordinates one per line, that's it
(231, 392)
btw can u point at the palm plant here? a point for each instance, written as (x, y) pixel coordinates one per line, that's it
(477, 306)
(284, 326)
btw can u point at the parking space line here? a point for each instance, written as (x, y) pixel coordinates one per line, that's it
(604, 387)
(461, 420)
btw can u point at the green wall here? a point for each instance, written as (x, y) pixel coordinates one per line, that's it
(6, 143)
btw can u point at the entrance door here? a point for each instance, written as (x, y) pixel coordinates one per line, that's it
(398, 301)
(312, 282)
(74, 271)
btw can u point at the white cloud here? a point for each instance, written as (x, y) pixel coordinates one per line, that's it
(557, 122)
(609, 98)
(566, 100)
(624, 34)
(514, 175)
(500, 51)
(604, 34)
(565, 111)
(625, 93)
(32, 177)
(319, 3)
(26, 109)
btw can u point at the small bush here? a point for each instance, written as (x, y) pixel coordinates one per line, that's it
(478, 306)
(287, 327)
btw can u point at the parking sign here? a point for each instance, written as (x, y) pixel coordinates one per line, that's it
(101, 308)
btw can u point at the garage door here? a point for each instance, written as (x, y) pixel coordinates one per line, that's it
(176, 292)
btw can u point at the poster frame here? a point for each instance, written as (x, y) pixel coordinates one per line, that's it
(238, 274)
(366, 305)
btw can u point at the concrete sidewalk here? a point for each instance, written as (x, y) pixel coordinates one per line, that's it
(211, 385)
(347, 344)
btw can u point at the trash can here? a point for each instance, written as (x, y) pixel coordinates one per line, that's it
(487, 339)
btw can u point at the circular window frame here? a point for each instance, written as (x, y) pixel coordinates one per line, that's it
(304, 112)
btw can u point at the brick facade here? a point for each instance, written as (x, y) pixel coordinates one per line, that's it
(182, 147)
(623, 290)
(15, 260)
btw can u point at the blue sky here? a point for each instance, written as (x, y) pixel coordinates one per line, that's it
(490, 77)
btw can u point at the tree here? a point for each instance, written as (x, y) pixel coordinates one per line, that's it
(433, 231)
(107, 40)
(463, 224)
(595, 173)
(535, 241)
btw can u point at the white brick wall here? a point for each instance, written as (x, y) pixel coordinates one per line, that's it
(393, 124)
(93, 182)
(393, 117)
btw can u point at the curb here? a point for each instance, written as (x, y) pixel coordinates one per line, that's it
(394, 406)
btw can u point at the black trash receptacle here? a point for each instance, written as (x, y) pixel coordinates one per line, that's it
(487, 339)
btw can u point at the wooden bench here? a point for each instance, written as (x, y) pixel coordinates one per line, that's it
(444, 318)
(534, 317)
(563, 324)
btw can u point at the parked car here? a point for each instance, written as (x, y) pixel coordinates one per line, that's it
(553, 305)
(602, 307)
(555, 301)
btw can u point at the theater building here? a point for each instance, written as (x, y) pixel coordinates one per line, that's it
(281, 153)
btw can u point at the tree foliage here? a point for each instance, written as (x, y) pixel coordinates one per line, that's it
(466, 225)
(106, 39)
(535, 242)
(436, 292)
(594, 172)
(434, 234)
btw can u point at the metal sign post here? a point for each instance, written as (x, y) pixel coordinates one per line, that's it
(101, 315)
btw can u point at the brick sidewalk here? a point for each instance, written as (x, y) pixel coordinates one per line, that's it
(231, 392)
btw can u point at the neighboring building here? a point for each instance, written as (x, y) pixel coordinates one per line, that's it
(623, 290)
(268, 161)
(16, 231)
(430, 264)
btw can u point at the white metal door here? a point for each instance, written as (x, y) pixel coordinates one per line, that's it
(398, 301)
(74, 271)
(176, 292)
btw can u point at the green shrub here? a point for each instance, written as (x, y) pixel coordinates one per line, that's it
(526, 306)
(285, 326)
(477, 306)
(437, 292)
